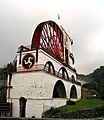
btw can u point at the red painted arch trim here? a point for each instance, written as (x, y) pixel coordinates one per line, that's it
(36, 36)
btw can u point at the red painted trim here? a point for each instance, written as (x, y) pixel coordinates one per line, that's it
(36, 36)
(44, 30)
(53, 49)
(28, 54)
(60, 60)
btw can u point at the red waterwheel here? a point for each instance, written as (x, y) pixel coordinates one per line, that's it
(49, 36)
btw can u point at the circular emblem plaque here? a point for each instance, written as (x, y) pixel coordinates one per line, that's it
(28, 61)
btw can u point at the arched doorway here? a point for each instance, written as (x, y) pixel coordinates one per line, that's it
(22, 102)
(59, 90)
(73, 92)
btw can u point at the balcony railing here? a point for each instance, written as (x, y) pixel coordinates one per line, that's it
(57, 74)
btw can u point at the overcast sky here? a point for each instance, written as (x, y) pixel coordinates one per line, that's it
(83, 19)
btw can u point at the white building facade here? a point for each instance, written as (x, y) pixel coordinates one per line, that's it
(45, 75)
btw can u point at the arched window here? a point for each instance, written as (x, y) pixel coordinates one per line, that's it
(63, 72)
(73, 79)
(73, 92)
(59, 90)
(22, 102)
(49, 67)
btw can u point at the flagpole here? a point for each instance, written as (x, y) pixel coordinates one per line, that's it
(58, 17)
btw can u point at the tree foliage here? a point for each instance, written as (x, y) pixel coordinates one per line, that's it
(91, 85)
(97, 82)
(8, 69)
(98, 74)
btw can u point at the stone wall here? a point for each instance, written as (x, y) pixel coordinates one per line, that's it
(81, 114)
(37, 88)
(31, 119)
(23, 119)
(88, 113)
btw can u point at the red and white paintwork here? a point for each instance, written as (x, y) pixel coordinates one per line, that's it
(31, 81)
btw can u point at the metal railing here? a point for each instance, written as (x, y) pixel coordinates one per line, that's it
(57, 74)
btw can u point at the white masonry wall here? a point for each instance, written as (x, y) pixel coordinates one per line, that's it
(37, 85)
(37, 88)
(43, 57)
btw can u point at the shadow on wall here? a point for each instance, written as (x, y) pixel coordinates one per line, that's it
(59, 90)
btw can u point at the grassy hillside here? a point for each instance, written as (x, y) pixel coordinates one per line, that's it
(83, 104)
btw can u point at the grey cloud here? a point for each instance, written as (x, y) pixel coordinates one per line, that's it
(84, 20)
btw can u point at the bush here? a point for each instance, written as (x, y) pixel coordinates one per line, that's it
(70, 102)
(102, 97)
(49, 113)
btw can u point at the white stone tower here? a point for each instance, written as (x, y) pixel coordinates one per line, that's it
(45, 75)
